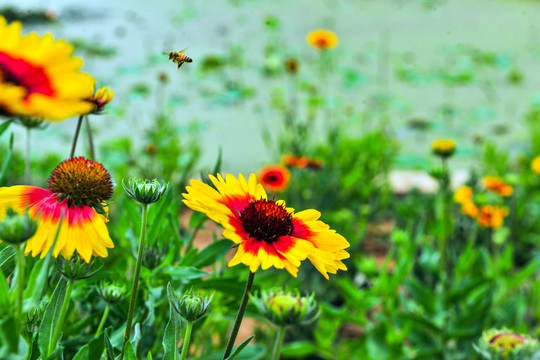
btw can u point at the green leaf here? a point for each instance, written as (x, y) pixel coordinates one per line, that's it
(422, 295)
(130, 353)
(240, 347)
(213, 252)
(171, 338)
(7, 260)
(149, 356)
(230, 286)
(109, 350)
(9, 339)
(6, 163)
(50, 317)
(299, 349)
(37, 280)
(83, 353)
(4, 294)
(184, 273)
(4, 126)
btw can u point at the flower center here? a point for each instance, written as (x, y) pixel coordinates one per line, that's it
(23, 73)
(82, 182)
(267, 221)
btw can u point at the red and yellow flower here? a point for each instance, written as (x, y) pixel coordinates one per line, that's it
(322, 39)
(274, 178)
(498, 186)
(491, 216)
(74, 201)
(39, 77)
(101, 98)
(266, 231)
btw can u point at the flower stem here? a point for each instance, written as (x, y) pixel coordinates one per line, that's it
(76, 136)
(103, 319)
(62, 316)
(27, 156)
(20, 281)
(187, 339)
(279, 341)
(239, 315)
(133, 300)
(90, 138)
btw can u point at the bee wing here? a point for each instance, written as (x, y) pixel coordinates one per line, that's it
(181, 51)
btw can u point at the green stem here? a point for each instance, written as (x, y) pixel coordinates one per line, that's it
(133, 299)
(27, 156)
(20, 281)
(279, 341)
(187, 339)
(76, 136)
(90, 138)
(239, 315)
(198, 226)
(103, 319)
(63, 311)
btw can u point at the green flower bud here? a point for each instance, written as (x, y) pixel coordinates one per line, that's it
(16, 228)
(152, 258)
(285, 308)
(192, 307)
(31, 123)
(112, 293)
(76, 268)
(33, 317)
(503, 344)
(145, 191)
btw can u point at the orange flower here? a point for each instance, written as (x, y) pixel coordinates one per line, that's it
(492, 216)
(463, 195)
(535, 165)
(498, 186)
(274, 178)
(470, 209)
(301, 162)
(322, 39)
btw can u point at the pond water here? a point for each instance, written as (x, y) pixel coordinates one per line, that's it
(462, 68)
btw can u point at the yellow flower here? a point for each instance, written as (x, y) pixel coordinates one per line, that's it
(39, 77)
(77, 190)
(443, 147)
(322, 39)
(535, 165)
(463, 195)
(101, 98)
(267, 233)
(491, 216)
(498, 186)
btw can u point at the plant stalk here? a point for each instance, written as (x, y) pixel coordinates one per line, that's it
(133, 299)
(20, 281)
(279, 341)
(27, 156)
(239, 315)
(103, 320)
(90, 138)
(187, 339)
(76, 136)
(62, 316)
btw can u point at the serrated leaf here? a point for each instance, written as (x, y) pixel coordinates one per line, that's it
(50, 317)
(109, 350)
(171, 337)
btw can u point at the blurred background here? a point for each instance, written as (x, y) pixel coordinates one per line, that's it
(417, 70)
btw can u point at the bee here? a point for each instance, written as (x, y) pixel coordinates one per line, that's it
(179, 57)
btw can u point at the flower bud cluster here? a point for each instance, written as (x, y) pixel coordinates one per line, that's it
(145, 191)
(503, 344)
(286, 308)
(16, 228)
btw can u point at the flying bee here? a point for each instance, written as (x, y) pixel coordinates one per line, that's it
(179, 57)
